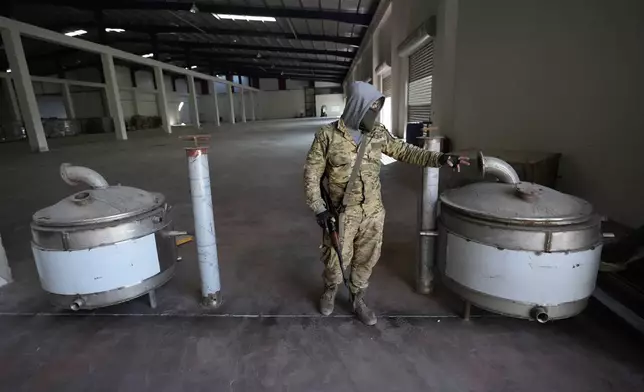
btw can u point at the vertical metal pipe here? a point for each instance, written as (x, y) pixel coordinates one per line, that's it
(199, 173)
(427, 230)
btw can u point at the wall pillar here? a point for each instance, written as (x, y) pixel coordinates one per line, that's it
(162, 100)
(232, 103)
(113, 96)
(214, 87)
(375, 59)
(243, 105)
(194, 109)
(68, 102)
(252, 105)
(24, 90)
(13, 99)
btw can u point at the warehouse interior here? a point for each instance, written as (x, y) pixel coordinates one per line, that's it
(122, 87)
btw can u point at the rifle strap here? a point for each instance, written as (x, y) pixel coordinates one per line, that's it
(354, 172)
(352, 179)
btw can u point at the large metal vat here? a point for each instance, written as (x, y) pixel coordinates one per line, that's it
(103, 245)
(518, 249)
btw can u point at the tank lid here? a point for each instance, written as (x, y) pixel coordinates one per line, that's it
(525, 204)
(93, 206)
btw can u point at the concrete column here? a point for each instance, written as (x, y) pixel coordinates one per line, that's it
(232, 104)
(252, 106)
(113, 96)
(214, 86)
(5, 270)
(194, 109)
(375, 58)
(162, 100)
(13, 99)
(24, 90)
(243, 105)
(69, 103)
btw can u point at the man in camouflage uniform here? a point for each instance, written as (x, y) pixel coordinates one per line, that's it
(333, 154)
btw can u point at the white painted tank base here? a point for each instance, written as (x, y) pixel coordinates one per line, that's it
(515, 282)
(101, 276)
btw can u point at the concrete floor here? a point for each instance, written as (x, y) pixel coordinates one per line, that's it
(269, 265)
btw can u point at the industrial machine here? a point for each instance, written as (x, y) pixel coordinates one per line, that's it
(513, 248)
(104, 245)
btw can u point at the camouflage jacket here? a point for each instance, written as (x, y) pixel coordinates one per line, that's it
(333, 153)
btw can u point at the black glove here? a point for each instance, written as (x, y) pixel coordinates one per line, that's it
(453, 161)
(323, 217)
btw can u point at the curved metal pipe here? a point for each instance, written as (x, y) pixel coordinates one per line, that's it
(540, 314)
(73, 175)
(498, 168)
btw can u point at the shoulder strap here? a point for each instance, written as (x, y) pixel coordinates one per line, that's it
(356, 167)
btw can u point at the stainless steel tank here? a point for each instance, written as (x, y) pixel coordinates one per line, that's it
(103, 245)
(518, 249)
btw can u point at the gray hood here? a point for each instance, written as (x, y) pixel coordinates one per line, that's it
(360, 97)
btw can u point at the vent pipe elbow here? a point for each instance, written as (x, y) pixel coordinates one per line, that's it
(497, 168)
(74, 175)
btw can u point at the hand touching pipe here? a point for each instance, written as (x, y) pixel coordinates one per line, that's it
(454, 161)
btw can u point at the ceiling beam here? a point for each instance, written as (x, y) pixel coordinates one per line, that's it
(183, 44)
(239, 67)
(254, 59)
(167, 29)
(210, 7)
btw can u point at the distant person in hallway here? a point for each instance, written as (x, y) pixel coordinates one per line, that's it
(361, 214)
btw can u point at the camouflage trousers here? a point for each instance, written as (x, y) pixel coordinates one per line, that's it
(361, 243)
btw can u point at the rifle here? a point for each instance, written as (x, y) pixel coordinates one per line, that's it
(331, 228)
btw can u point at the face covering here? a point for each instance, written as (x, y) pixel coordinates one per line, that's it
(369, 120)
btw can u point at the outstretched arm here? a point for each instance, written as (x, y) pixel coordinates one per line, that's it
(408, 153)
(313, 172)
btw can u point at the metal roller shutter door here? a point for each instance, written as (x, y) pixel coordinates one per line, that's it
(419, 88)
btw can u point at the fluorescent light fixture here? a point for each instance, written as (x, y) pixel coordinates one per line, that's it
(75, 33)
(111, 30)
(180, 107)
(147, 55)
(247, 18)
(193, 67)
(9, 70)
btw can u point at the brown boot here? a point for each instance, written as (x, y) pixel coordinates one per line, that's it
(360, 308)
(327, 301)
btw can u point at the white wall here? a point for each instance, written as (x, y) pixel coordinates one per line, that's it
(268, 84)
(334, 104)
(327, 84)
(50, 100)
(281, 104)
(558, 76)
(88, 102)
(292, 84)
(224, 107)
